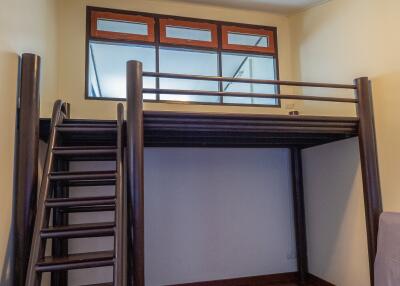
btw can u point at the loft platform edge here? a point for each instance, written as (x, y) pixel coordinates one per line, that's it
(183, 129)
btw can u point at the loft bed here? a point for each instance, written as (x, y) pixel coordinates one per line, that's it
(145, 128)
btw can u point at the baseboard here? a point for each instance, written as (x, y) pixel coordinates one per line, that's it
(316, 281)
(262, 280)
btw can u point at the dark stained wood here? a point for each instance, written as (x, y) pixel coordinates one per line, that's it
(120, 241)
(299, 214)
(262, 280)
(26, 164)
(76, 261)
(60, 219)
(54, 199)
(173, 129)
(180, 129)
(81, 201)
(42, 216)
(78, 231)
(135, 177)
(369, 167)
(246, 94)
(248, 80)
(316, 281)
(282, 279)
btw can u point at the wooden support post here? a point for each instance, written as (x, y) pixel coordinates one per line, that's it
(299, 215)
(26, 164)
(369, 167)
(135, 178)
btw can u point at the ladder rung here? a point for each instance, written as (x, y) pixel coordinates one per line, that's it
(87, 209)
(101, 284)
(80, 202)
(87, 124)
(90, 122)
(85, 128)
(79, 230)
(76, 261)
(96, 178)
(85, 153)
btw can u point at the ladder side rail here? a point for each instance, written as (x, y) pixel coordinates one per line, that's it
(120, 276)
(42, 219)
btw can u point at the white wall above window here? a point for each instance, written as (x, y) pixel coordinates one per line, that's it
(275, 6)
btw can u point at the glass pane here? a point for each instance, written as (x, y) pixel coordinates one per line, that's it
(190, 62)
(188, 33)
(107, 68)
(247, 40)
(122, 27)
(253, 67)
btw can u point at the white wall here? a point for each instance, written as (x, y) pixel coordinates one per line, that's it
(337, 42)
(25, 26)
(209, 214)
(337, 241)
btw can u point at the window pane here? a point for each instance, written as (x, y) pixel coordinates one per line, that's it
(107, 68)
(190, 62)
(122, 27)
(188, 33)
(247, 40)
(248, 66)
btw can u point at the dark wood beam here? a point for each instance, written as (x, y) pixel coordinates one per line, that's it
(299, 214)
(135, 161)
(369, 167)
(26, 163)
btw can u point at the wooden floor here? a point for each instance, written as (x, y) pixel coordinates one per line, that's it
(290, 284)
(296, 284)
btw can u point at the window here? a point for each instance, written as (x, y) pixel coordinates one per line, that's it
(117, 26)
(201, 63)
(248, 39)
(248, 66)
(176, 45)
(188, 33)
(107, 68)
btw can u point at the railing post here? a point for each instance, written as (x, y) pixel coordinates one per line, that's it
(369, 167)
(26, 164)
(135, 146)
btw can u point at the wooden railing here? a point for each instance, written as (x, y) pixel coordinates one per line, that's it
(248, 94)
(367, 141)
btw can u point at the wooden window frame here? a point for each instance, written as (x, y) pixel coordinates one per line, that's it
(169, 22)
(154, 39)
(225, 30)
(110, 16)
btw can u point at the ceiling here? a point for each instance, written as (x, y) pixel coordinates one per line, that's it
(276, 6)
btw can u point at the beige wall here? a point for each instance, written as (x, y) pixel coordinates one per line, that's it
(71, 52)
(25, 26)
(338, 42)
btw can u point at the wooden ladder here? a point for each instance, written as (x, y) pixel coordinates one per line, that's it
(79, 140)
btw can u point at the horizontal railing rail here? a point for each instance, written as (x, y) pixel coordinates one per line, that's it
(249, 94)
(248, 80)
